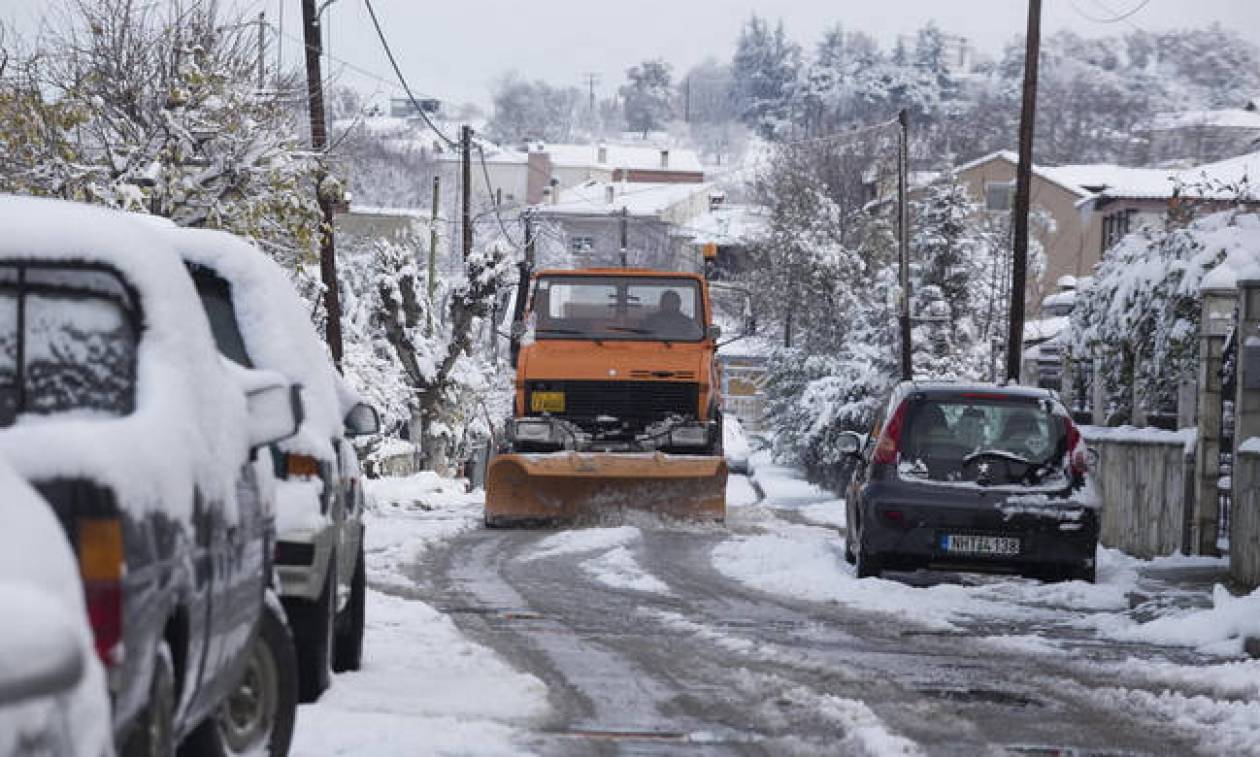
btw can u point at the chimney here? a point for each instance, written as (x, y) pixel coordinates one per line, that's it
(538, 170)
(664, 159)
(610, 194)
(601, 154)
(555, 191)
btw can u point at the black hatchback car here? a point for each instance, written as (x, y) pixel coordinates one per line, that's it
(971, 477)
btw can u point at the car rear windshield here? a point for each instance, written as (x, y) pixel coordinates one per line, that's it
(68, 340)
(618, 307)
(985, 438)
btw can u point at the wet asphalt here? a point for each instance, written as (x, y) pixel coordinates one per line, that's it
(716, 667)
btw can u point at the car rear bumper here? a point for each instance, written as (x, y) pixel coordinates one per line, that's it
(911, 536)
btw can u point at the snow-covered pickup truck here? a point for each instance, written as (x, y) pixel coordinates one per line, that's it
(259, 321)
(116, 406)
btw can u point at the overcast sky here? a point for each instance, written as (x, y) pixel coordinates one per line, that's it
(456, 49)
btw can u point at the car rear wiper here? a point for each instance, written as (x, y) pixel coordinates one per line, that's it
(1000, 454)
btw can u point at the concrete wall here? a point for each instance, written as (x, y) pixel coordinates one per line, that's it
(1144, 478)
(1244, 525)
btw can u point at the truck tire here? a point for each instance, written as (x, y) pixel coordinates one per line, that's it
(312, 624)
(348, 654)
(153, 734)
(258, 717)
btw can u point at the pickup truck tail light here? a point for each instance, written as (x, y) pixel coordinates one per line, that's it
(101, 566)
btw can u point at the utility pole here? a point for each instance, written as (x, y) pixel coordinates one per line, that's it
(903, 240)
(625, 219)
(687, 100)
(591, 79)
(1023, 186)
(433, 243)
(262, 48)
(522, 287)
(319, 141)
(465, 189)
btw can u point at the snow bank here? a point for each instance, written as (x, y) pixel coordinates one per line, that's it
(41, 589)
(189, 424)
(277, 331)
(1220, 629)
(423, 689)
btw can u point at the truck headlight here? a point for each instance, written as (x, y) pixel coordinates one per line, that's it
(532, 431)
(689, 436)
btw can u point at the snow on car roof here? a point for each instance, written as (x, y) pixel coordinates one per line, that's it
(188, 426)
(277, 330)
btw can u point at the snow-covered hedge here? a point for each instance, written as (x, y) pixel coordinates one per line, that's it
(1140, 313)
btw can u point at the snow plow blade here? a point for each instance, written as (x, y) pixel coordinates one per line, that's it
(569, 486)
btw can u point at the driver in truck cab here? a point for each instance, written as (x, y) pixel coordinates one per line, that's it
(669, 321)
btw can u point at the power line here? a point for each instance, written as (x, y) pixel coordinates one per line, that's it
(1114, 19)
(401, 79)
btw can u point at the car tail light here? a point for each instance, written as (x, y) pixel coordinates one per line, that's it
(1078, 462)
(890, 440)
(101, 566)
(894, 516)
(300, 465)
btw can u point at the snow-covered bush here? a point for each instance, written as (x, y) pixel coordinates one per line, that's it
(1140, 314)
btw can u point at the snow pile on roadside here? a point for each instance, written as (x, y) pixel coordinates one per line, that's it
(1220, 629)
(825, 513)
(423, 689)
(618, 569)
(406, 515)
(585, 540)
(865, 733)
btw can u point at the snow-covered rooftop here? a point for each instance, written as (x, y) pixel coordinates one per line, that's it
(638, 198)
(730, 225)
(1228, 118)
(639, 157)
(1012, 157)
(1114, 180)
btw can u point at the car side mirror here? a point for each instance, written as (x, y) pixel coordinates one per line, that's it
(850, 444)
(714, 332)
(41, 658)
(362, 420)
(275, 413)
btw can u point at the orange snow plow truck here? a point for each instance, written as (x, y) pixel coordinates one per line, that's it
(617, 401)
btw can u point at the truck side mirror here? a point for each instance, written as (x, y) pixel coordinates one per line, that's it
(714, 332)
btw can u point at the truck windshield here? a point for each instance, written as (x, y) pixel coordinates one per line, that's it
(619, 307)
(68, 340)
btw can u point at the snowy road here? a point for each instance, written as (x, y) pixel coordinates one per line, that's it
(643, 638)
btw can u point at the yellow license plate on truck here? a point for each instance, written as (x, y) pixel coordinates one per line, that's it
(546, 402)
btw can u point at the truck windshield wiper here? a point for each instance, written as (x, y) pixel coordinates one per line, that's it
(629, 329)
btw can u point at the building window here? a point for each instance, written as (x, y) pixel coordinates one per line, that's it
(998, 195)
(1116, 226)
(581, 244)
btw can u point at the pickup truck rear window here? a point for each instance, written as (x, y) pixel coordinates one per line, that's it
(68, 340)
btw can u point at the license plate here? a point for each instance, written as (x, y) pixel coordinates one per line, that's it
(546, 402)
(979, 545)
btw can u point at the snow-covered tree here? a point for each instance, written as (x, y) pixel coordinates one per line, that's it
(534, 110)
(765, 70)
(648, 96)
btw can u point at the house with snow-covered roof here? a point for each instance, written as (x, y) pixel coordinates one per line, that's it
(587, 218)
(1187, 138)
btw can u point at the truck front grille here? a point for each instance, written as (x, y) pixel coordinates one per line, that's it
(638, 402)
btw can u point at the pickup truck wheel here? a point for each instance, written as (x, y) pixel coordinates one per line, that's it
(312, 624)
(257, 718)
(348, 654)
(154, 732)
(866, 564)
(849, 557)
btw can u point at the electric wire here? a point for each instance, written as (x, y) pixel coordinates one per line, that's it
(401, 79)
(1115, 19)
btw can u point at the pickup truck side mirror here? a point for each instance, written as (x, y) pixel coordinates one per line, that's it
(275, 413)
(362, 420)
(41, 657)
